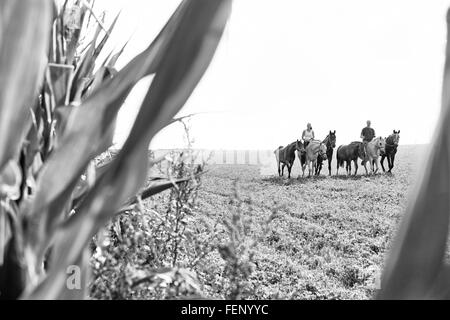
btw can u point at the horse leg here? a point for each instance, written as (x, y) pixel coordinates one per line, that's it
(382, 160)
(391, 164)
(289, 170)
(356, 165)
(376, 164)
(365, 167)
(329, 166)
(372, 166)
(282, 169)
(309, 168)
(279, 169)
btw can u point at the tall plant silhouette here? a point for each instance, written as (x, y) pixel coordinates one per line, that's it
(416, 266)
(58, 106)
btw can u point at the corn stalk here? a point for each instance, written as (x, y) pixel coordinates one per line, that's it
(58, 108)
(416, 266)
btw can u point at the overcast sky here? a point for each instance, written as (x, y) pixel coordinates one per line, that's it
(284, 63)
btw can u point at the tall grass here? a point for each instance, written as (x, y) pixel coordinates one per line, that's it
(58, 107)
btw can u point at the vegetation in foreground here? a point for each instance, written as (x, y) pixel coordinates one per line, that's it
(58, 109)
(263, 237)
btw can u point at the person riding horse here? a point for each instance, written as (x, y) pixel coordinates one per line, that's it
(367, 134)
(307, 135)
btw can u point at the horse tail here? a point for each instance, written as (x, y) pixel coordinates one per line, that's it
(340, 161)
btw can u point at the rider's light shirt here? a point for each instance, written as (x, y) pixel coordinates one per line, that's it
(308, 135)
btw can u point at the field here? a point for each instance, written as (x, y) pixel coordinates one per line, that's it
(244, 232)
(328, 236)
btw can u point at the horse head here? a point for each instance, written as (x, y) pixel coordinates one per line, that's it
(395, 136)
(299, 146)
(332, 138)
(381, 144)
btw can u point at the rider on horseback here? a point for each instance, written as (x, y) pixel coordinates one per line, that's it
(307, 135)
(367, 134)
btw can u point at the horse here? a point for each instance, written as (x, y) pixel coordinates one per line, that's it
(390, 150)
(349, 153)
(330, 142)
(286, 156)
(373, 150)
(309, 156)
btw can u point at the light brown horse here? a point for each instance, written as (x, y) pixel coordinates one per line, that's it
(373, 150)
(309, 156)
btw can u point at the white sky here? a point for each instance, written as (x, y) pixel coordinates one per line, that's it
(281, 64)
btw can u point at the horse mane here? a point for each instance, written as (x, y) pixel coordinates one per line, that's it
(389, 140)
(288, 147)
(377, 138)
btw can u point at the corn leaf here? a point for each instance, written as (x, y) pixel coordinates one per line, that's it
(43, 212)
(72, 45)
(89, 123)
(415, 267)
(186, 56)
(84, 69)
(112, 62)
(156, 186)
(20, 73)
(105, 38)
(87, 133)
(60, 82)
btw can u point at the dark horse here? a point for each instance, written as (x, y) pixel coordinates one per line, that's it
(330, 142)
(390, 150)
(286, 156)
(349, 153)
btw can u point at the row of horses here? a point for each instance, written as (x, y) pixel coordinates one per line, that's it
(317, 151)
